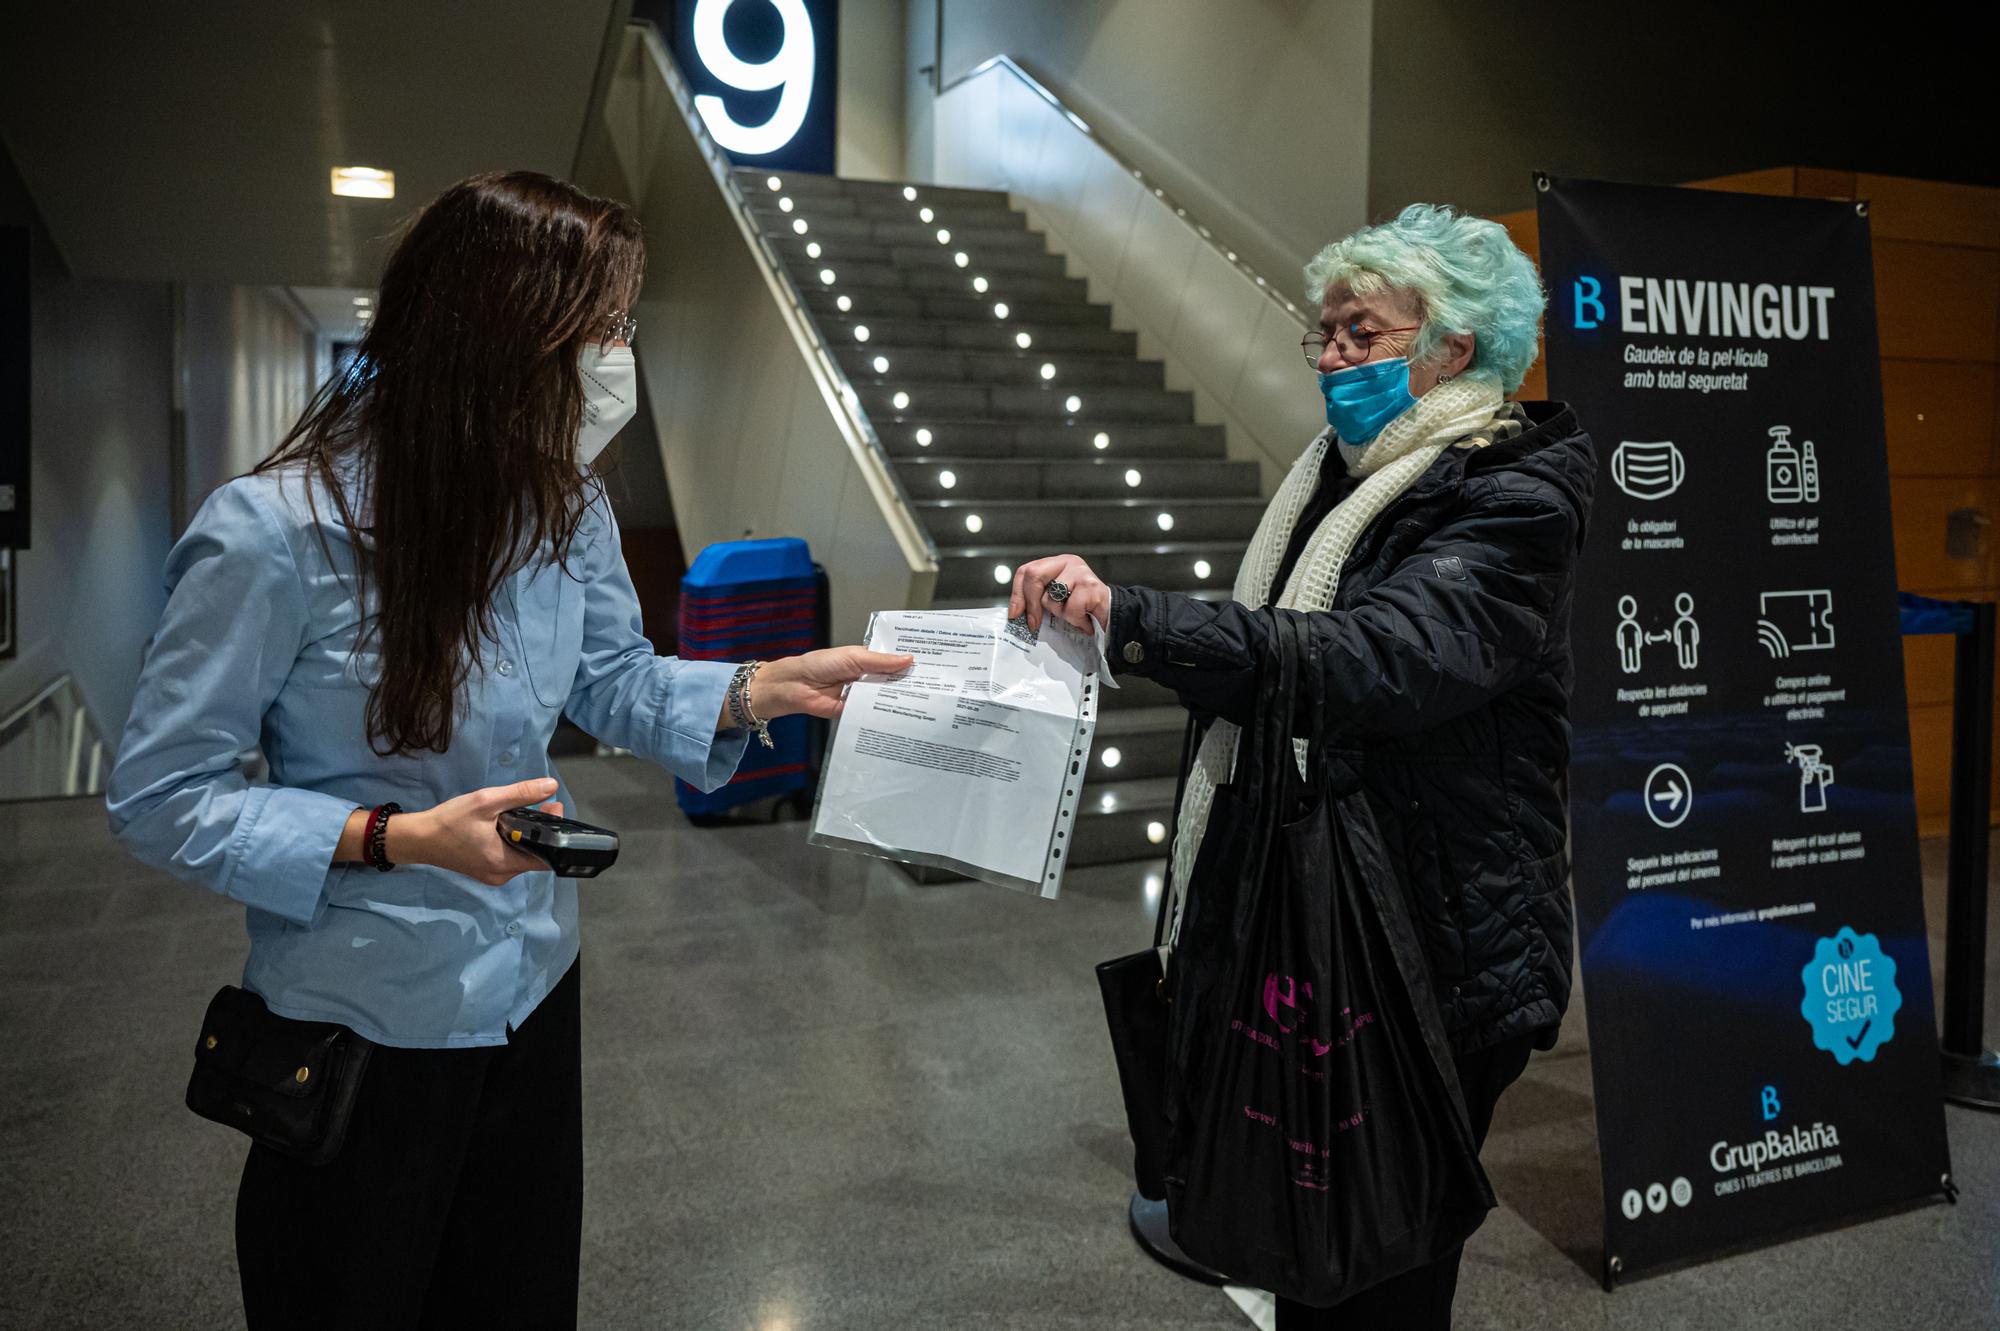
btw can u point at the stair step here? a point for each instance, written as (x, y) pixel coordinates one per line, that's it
(811, 184)
(1126, 441)
(1013, 478)
(892, 367)
(1137, 743)
(964, 306)
(855, 231)
(985, 334)
(1008, 266)
(864, 278)
(923, 402)
(1062, 523)
(986, 211)
(968, 570)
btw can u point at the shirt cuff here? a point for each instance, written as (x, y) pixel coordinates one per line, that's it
(696, 751)
(285, 846)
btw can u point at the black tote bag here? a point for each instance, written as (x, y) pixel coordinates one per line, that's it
(1135, 1008)
(1318, 1141)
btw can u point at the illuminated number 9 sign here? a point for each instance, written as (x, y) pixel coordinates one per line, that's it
(791, 69)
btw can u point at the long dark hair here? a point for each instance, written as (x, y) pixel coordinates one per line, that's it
(462, 406)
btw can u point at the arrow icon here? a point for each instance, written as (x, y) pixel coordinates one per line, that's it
(1668, 785)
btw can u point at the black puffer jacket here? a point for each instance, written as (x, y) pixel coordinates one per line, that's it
(1448, 657)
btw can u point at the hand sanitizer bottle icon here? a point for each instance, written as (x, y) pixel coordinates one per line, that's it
(1809, 474)
(1781, 468)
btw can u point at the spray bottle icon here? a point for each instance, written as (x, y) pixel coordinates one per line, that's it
(1815, 775)
(1809, 474)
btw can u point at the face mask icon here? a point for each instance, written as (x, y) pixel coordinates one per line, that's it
(1648, 471)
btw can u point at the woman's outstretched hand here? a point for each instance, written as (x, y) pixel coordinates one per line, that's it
(814, 683)
(1088, 599)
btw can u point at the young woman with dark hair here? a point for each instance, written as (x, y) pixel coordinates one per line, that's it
(395, 608)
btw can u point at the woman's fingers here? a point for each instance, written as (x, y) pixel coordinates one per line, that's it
(521, 793)
(860, 661)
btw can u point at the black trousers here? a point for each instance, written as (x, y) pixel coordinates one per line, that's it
(1420, 1299)
(456, 1200)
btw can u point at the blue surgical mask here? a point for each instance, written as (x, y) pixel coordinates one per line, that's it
(1363, 398)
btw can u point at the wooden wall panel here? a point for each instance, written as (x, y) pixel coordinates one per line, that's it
(1937, 302)
(1927, 669)
(1920, 505)
(1940, 415)
(1933, 210)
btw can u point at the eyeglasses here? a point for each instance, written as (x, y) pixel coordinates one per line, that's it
(1356, 336)
(623, 328)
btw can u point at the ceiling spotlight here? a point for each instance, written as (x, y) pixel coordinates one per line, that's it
(909, 193)
(785, 204)
(1023, 341)
(812, 249)
(924, 438)
(944, 236)
(1073, 404)
(973, 522)
(1166, 522)
(1132, 478)
(961, 258)
(775, 184)
(364, 182)
(1000, 310)
(901, 401)
(947, 479)
(1202, 569)
(1002, 574)
(844, 304)
(881, 365)
(926, 216)
(1103, 441)
(826, 276)
(798, 226)
(1048, 370)
(1110, 757)
(979, 285)
(861, 332)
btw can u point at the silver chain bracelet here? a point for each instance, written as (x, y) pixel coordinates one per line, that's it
(739, 703)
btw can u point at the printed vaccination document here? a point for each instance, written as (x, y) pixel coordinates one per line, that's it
(964, 760)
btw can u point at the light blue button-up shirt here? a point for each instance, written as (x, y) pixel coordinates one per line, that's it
(260, 648)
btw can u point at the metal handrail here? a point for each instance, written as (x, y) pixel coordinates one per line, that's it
(877, 465)
(1202, 233)
(19, 716)
(76, 731)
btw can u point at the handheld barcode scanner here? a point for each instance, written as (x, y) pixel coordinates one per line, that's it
(572, 849)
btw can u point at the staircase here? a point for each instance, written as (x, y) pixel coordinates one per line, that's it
(1022, 424)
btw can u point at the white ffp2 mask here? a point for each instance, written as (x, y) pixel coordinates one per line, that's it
(610, 398)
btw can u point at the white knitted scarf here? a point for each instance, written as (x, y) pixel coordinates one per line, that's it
(1405, 449)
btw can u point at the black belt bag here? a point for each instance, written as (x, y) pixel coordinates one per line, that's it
(289, 1085)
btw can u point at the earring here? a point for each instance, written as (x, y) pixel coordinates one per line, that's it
(1444, 379)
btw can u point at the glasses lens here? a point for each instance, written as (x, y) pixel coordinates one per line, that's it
(1314, 345)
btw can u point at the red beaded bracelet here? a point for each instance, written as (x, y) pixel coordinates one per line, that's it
(375, 837)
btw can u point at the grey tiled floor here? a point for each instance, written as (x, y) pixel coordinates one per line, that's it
(816, 1096)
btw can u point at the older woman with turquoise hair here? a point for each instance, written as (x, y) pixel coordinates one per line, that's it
(1428, 539)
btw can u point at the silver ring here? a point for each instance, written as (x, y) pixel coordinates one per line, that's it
(1057, 592)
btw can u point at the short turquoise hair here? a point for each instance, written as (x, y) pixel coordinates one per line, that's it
(1467, 273)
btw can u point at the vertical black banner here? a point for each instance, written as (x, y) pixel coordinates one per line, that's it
(1748, 890)
(14, 387)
